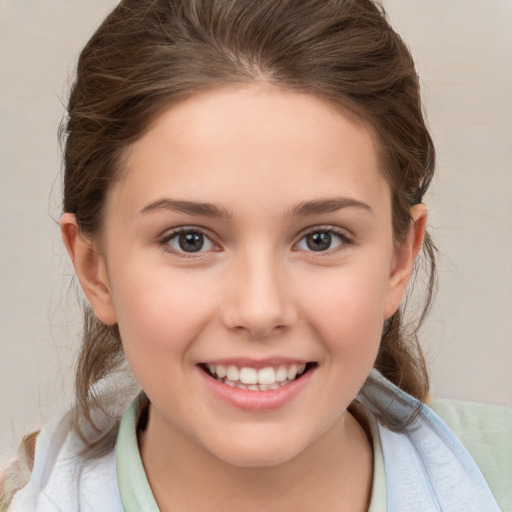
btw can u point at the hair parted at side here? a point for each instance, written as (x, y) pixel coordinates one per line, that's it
(148, 54)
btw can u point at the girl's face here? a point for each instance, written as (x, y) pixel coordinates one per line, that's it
(248, 258)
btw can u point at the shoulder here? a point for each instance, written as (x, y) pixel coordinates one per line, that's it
(486, 432)
(68, 474)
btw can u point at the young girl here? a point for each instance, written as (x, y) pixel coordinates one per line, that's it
(243, 207)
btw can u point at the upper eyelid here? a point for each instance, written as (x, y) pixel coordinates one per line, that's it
(171, 233)
(342, 232)
(346, 238)
(164, 240)
(326, 227)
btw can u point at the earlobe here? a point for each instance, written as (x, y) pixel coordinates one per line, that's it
(405, 255)
(90, 268)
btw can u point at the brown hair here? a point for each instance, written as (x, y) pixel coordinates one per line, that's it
(150, 53)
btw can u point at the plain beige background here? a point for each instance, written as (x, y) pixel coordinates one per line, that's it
(463, 51)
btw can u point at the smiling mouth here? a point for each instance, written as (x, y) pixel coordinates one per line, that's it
(263, 379)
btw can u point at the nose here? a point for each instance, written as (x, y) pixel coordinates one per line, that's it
(258, 297)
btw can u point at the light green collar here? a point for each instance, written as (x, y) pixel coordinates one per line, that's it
(134, 487)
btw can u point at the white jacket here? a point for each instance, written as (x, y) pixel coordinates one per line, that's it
(427, 467)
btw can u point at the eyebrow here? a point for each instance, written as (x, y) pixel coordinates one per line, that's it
(186, 207)
(328, 206)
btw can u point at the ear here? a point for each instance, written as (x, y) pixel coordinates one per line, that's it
(90, 268)
(405, 254)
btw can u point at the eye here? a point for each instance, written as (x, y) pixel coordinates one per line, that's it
(322, 240)
(188, 240)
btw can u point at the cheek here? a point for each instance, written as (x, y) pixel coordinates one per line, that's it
(158, 324)
(159, 312)
(347, 308)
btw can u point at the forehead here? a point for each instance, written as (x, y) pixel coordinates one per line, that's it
(248, 141)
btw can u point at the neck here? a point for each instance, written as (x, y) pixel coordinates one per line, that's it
(333, 473)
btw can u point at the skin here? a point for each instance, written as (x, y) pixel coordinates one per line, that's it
(256, 290)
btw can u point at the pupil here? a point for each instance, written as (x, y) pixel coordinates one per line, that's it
(318, 241)
(191, 242)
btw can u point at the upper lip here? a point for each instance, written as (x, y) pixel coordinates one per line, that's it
(256, 363)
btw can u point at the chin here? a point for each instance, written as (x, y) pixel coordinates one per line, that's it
(258, 454)
(257, 459)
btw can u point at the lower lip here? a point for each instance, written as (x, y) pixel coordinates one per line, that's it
(257, 401)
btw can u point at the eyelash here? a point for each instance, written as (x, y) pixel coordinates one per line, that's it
(175, 233)
(344, 240)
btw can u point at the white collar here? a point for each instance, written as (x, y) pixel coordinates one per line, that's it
(427, 468)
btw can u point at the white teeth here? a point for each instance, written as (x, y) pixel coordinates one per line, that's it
(292, 372)
(267, 376)
(220, 371)
(267, 387)
(281, 374)
(264, 379)
(248, 375)
(232, 373)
